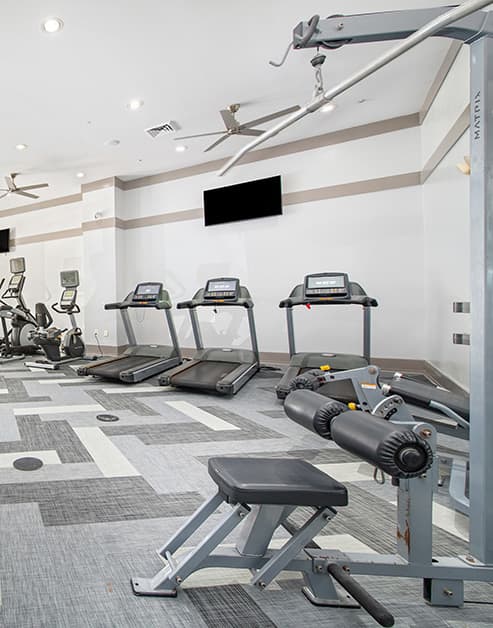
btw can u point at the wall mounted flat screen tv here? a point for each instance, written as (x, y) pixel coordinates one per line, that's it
(4, 240)
(253, 199)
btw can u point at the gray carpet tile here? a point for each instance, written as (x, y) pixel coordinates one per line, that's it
(98, 500)
(193, 431)
(121, 402)
(71, 538)
(18, 393)
(228, 607)
(37, 435)
(273, 414)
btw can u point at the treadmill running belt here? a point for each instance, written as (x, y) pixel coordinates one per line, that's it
(204, 374)
(113, 369)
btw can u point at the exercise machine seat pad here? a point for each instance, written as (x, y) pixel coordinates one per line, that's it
(283, 481)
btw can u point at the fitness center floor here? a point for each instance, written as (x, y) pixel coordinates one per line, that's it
(110, 493)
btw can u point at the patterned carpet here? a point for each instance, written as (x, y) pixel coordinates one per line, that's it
(108, 494)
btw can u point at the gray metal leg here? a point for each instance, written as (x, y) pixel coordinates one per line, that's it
(321, 591)
(481, 210)
(166, 581)
(292, 548)
(259, 527)
(191, 525)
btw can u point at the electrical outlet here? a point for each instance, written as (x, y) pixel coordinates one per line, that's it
(106, 333)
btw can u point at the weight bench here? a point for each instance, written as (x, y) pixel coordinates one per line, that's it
(262, 493)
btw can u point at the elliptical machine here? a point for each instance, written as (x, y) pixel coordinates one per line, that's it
(17, 341)
(57, 347)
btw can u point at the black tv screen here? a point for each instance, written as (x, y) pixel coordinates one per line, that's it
(253, 199)
(4, 240)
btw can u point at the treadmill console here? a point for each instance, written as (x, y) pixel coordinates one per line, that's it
(223, 288)
(147, 294)
(326, 286)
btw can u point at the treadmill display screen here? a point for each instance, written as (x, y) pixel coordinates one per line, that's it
(15, 280)
(327, 285)
(147, 292)
(222, 289)
(326, 282)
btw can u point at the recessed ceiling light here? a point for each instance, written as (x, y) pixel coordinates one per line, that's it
(181, 148)
(52, 25)
(328, 107)
(80, 175)
(21, 146)
(135, 104)
(112, 142)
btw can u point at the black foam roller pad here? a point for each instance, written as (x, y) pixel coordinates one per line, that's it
(395, 450)
(313, 411)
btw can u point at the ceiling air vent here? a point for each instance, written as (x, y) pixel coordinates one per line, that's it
(160, 129)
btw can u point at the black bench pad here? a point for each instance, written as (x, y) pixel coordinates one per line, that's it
(282, 481)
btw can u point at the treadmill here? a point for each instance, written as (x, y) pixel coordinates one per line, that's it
(139, 362)
(325, 289)
(220, 370)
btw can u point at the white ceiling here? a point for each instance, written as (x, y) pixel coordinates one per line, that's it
(65, 95)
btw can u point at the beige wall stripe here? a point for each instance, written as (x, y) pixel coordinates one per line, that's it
(449, 141)
(310, 143)
(109, 182)
(45, 237)
(54, 202)
(103, 223)
(439, 79)
(160, 219)
(353, 188)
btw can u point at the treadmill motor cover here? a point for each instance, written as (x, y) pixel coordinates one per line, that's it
(222, 289)
(147, 293)
(335, 285)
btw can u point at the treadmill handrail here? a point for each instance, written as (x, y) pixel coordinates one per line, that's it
(358, 297)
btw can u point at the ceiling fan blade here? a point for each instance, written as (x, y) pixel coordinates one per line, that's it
(32, 187)
(189, 137)
(229, 120)
(271, 116)
(221, 139)
(21, 193)
(10, 183)
(245, 131)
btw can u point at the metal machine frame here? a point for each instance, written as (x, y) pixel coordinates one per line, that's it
(476, 30)
(443, 577)
(466, 23)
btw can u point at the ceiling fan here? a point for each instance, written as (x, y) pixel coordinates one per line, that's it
(22, 191)
(234, 127)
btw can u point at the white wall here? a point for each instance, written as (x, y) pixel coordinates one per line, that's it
(377, 238)
(446, 229)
